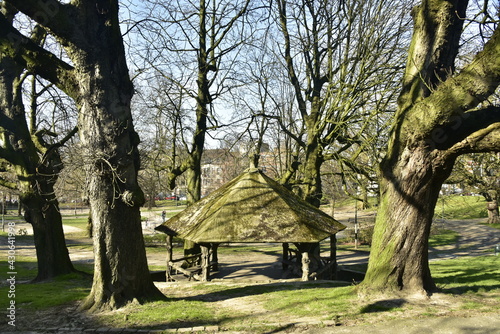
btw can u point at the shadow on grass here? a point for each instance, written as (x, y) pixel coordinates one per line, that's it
(204, 300)
(383, 305)
(473, 274)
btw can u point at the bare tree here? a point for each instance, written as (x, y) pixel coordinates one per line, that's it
(337, 55)
(478, 173)
(32, 154)
(194, 46)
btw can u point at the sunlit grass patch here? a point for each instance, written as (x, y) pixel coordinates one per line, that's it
(461, 207)
(443, 237)
(468, 273)
(174, 313)
(25, 268)
(61, 290)
(76, 222)
(497, 226)
(323, 302)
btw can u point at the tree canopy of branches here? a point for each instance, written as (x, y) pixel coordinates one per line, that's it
(193, 49)
(337, 55)
(479, 174)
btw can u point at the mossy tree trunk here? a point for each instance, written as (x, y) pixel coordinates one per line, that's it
(435, 123)
(98, 81)
(312, 171)
(36, 165)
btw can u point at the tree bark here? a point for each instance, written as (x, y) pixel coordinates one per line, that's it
(312, 170)
(109, 143)
(493, 217)
(410, 189)
(44, 215)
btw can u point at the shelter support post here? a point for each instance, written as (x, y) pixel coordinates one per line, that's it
(169, 240)
(305, 250)
(205, 262)
(286, 256)
(215, 257)
(333, 256)
(305, 266)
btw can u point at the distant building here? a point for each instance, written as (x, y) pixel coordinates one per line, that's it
(219, 166)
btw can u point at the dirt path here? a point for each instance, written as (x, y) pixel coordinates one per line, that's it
(475, 239)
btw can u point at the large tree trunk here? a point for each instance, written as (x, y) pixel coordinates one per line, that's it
(492, 206)
(44, 215)
(109, 144)
(98, 81)
(409, 192)
(193, 178)
(313, 161)
(203, 99)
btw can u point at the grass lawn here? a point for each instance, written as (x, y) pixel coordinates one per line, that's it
(469, 286)
(461, 207)
(471, 283)
(76, 222)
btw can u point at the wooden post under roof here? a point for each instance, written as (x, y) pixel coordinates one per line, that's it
(205, 262)
(305, 265)
(333, 256)
(215, 257)
(169, 240)
(286, 257)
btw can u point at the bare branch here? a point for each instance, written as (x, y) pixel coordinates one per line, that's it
(36, 59)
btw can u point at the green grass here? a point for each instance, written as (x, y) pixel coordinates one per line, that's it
(475, 274)
(443, 237)
(497, 226)
(174, 312)
(62, 290)
(193, 304)
(76, 222)
(461, 207)
(25, 268)
(323, 302)
(473, 279)
(34, 296)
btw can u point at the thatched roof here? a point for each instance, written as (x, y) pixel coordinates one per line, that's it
(251, 208)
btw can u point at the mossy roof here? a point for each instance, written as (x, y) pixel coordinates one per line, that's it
(251, 208)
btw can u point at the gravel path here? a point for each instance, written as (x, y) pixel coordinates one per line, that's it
(475, 239)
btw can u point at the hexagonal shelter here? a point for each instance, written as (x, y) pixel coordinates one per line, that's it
(253, 208)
